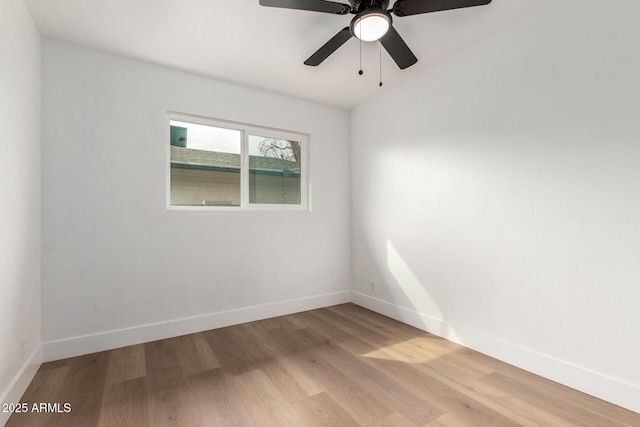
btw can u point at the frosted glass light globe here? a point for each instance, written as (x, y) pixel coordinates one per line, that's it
(371, 27)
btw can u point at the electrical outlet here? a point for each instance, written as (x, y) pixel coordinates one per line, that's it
(372, 287)
(22, 345)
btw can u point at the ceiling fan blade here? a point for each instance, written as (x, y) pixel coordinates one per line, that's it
(416, 7)
(398, 49)
(313, 5)
(329, 47)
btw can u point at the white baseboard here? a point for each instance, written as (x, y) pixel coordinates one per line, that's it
(616, 391)
(76, 346)
(20, 382)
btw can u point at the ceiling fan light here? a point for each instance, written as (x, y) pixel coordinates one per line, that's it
(371, 26)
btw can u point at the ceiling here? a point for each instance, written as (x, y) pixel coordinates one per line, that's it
(242, 42)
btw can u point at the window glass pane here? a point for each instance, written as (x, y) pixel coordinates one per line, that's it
(205, 165)
(275, 169)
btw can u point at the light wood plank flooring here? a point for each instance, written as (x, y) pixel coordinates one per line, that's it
(338, 366)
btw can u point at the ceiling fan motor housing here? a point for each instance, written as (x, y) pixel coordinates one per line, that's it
(358, 6)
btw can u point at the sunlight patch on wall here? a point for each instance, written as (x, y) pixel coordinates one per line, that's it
(410, 285)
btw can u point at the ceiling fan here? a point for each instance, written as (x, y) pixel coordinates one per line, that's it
(372, 22)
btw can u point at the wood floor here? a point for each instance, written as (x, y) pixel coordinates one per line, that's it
(339, 366)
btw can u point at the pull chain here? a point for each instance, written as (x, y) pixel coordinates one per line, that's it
(380, 46)
(360, 39)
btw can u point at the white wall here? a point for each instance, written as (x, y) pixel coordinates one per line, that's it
(118, 267)
(497, 200)
(20, 198)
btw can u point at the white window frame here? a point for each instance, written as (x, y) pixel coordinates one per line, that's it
(245, 130)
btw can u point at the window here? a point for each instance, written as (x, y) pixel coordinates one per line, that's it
(223, 165)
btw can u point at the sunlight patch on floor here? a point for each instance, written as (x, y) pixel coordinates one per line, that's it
(414, 350)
